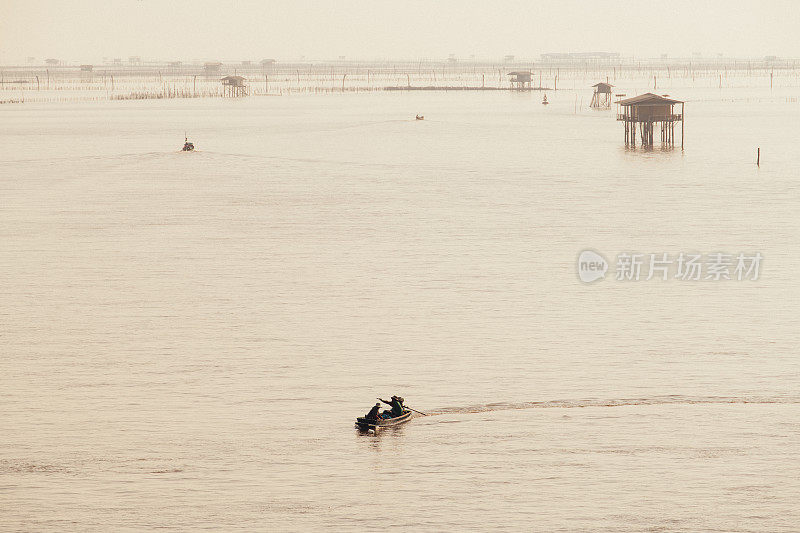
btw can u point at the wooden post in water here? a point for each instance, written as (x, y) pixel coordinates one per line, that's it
(683, 120)
(758, 157)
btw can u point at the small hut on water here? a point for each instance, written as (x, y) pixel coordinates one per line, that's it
(602, 95)
(234, 86)
(520, 80)
(646, 110)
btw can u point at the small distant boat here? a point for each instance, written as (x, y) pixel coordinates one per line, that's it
(366, 425)
(187, 146)
(544, 100)
(420, 117)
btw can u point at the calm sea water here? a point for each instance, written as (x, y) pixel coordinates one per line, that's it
(186, 338)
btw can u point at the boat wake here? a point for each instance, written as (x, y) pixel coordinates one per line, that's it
(618, 402)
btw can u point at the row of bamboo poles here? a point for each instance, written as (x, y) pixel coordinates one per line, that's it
(25, 85)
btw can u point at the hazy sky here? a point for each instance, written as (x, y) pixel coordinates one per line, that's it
(88, 30)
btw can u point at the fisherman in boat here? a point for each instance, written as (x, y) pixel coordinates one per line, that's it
(397, 407)
(374, 413)
(187, 146)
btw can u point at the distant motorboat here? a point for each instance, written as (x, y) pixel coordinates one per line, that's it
(420, 117)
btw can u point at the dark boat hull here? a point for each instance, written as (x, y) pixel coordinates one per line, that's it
(366, 425)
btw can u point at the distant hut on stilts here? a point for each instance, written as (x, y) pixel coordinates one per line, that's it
(646, 110)
(520, 80)
(602, 95)
(234, 86)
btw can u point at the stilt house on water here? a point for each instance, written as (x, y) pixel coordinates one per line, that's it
(234, 86)
(520, 80)
(646, 110)
(602, 95)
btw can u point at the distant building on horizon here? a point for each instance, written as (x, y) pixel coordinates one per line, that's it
(579, 56)
(212, 67)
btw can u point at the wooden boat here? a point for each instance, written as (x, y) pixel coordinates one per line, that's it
(366, 425)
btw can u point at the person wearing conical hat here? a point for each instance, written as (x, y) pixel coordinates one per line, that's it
(397, 406)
